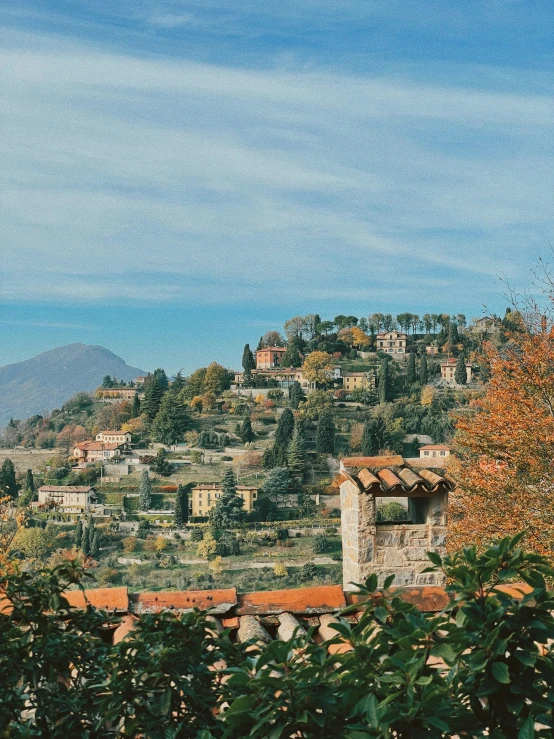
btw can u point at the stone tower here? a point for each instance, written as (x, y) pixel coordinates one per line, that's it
(372, 545)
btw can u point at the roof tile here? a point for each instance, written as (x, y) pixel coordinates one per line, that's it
(107, 599)
(324, 599)
(215, 601)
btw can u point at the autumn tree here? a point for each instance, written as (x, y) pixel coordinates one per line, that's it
(217, 379)
(505, 446)
(317, 367)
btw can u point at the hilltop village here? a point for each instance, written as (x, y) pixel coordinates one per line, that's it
(227, 476)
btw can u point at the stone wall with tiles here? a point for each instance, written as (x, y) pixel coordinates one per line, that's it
(388, 549)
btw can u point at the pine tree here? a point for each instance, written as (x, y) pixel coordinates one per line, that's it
(78, 534)
(135, 406)
(145, 491)
(178, 383)
(248, 363)
(228, 511)
(296, 454)
(8, 482)
(246, 433)
(325, 435)
(292, 357)
(152, 399)
(295, 394)
(161, 379)
(95, 544)
(171, 420)
(161, 465)
(375, 436)
(182, 505)
(411, 376)
(460, 373)
(278, 484)
(385, 390)
(423, 371)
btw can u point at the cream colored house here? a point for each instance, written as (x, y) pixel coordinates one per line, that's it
(357, 381)
(205, 497)
(115, 437)
(97, 451)
(434, 450)
(391, 342)
(448, 370)
(68, 498)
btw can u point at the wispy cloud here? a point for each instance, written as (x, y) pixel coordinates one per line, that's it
(47, 324)
(129, 179)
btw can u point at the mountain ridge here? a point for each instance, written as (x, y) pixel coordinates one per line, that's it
(47, 380)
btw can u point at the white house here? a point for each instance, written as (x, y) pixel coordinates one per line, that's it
(392, 342)
(434, 450)
(69, 498)
(115, 437)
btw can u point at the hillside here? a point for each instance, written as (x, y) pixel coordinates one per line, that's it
(46, 381)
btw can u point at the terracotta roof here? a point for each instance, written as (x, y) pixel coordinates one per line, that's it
(65, 488)
(108, 599)
(296, 600)
(375, 477)
(272, 349)
(435, 446)
(214, 601)
(112, 432)
(219, 486)
(96, 446)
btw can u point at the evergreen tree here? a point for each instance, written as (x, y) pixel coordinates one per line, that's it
(278, 484)
(178, 383)
(161, 379)
(30, 486)
(460, 373)
(79, 534)
(86, 539)
(411, 375)
(152, 398)
(453, 338)
(248, 363)
(325, 435)
(135, 407)
(246, 433)
(161, 465)
(423, 371)
(145, 491)
(296, 454)
(228, 511)
(171, 420)
(385, 385)
(375, 436)
(295, 394)
(283, 435)
(95, 544)
(260, 344)
(8, 482)
(292, 357)
(182, 505)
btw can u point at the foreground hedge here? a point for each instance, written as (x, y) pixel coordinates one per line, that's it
(476, 669)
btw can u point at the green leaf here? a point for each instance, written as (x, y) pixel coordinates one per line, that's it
(438, 723)
(446, 652)
(435, 558)
(526, 658)
(527, 731)
(500, 672)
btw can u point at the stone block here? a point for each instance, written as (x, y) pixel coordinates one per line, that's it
(415, 554)
(430, 578)
(394, 558)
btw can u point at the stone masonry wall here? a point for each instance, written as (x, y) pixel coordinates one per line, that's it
(388, 549)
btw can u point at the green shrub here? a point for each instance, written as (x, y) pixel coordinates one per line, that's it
(196, 535)
(282, 534)
(308, 571)
(392, 511)
(321, 544)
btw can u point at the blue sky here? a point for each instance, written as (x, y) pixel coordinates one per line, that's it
(179, 177)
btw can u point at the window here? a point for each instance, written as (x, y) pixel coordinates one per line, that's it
(443, 454)
(426, 454)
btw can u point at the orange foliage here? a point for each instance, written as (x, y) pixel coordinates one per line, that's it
(505, 448)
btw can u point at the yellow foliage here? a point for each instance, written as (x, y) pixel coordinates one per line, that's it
(196, 403)
(216, 566)
(260, 399)
(280, 570)
(160, 544)
(207, 547)
(317, 367)
(428, 394)
(133, 425)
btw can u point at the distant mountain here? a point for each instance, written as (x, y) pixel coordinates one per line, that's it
(45, 382)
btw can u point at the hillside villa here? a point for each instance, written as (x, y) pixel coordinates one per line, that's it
(271, 356)
(391, 342)
(205, 497)
(448, 370)
(434, 450)
(358, 381)
(115, 437)
(68, 498)
(97, 451)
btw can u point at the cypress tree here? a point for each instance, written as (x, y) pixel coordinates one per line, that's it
(423, 371)
(283, 435)
(95, 544)
(411, 376)
(460, 373)
(145, 491)
(182, 505)
(246, 433)
(375, 436)
(325, 435)
(295, 394)
(86, 540)
(385, 392)
(135, 407)
(78, 534)
(296, 454)
(152, 399)
(292, 357)
(161, 379)
(8, 482)
(248, 363)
